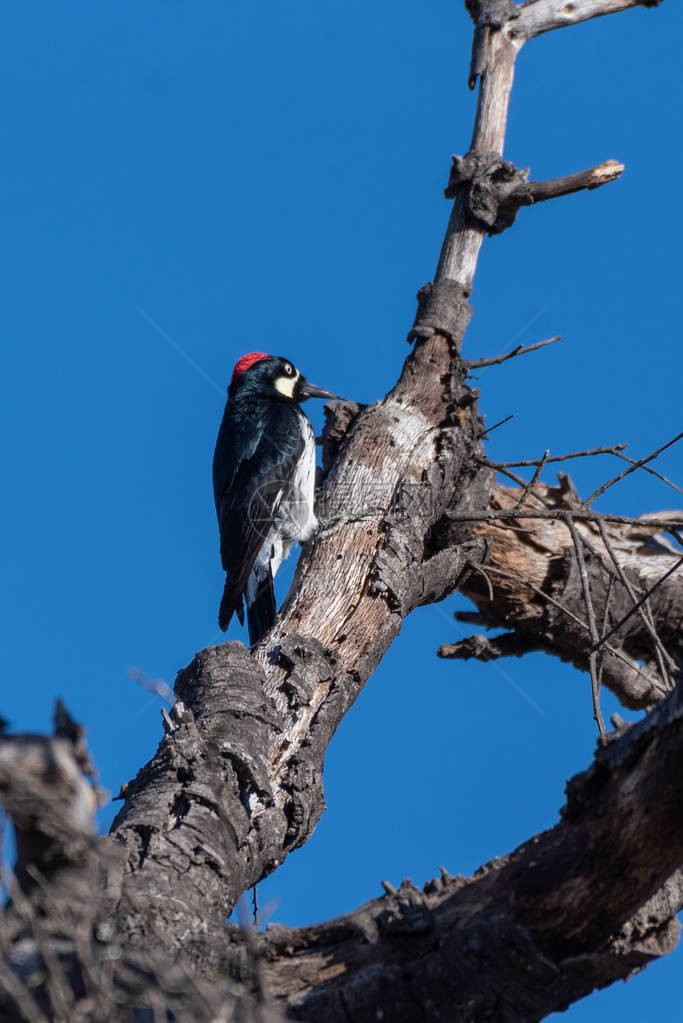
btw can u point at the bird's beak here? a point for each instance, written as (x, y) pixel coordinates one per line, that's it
(306, 390)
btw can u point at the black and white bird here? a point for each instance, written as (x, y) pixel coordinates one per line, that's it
(263, 483)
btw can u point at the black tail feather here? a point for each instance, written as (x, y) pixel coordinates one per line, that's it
(231, 603)
(261, 613)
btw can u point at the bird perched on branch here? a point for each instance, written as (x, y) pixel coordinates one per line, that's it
(263, 483)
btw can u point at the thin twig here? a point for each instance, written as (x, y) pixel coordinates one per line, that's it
(598, 555)
(59, 989)
(582, 514)
(605, 621)
(659, 648)
(253, 951)
(628, 661)
(21, 995)
(495, 426)
(614, 449)
(642, 600)
(479, 568)
(662, 656)
(522, 483)
(96, 985)
(534, 479)
(514, 529)
(594, 177)
(653, 472)
(592, 624)
(635, 465)
(519, 350)
(539, 593)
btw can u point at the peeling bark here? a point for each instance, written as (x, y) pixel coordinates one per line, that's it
(587, 902)
(529, 933)
(249, 741)
(535, 588)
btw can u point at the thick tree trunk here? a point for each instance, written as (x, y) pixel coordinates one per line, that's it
(236, 782)
(530, 932)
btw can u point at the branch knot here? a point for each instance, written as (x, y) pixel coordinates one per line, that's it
(491, 13)
(441, 309)
(492, 189)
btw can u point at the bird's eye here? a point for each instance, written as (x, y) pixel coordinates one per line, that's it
(289, 369)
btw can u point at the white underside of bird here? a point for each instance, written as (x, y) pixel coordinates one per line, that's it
(294, 521)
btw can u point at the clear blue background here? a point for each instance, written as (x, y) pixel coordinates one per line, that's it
(269, 176)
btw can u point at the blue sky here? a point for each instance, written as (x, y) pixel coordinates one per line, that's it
(270, 177)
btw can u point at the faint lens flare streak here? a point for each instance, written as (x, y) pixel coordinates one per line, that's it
(143, 709)
(221, 390)
(500, 670)
(517, 335)
(195, 365)
(532, 320)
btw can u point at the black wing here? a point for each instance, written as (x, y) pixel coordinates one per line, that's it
(237, 440)
(257, 484)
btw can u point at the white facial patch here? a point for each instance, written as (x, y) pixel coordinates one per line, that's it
(285, 385)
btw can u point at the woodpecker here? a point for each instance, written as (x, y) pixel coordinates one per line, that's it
(263, 483)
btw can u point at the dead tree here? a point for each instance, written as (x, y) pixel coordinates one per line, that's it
(132, 927)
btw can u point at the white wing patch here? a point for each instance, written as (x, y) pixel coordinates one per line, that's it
(295, 520)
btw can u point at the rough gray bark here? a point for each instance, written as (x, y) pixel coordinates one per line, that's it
(530, 932)
(535, 587)
(251, 738)
(236, 784)
(577, 907)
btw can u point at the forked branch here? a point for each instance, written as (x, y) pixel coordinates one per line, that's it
(540, 16)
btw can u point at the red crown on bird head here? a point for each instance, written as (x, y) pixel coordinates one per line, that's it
(245, 362)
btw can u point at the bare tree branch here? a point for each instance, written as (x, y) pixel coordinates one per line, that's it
(594, 177)
(489, 648)
(611, 450)
(652, 472)
(634, 465)
(538, 587)
(534, 479)
(532, 923)
(540, 16)
(592, 625)
(665, 662)
(496, 361)
(585, 903)
(580, 515)
(637, 606)
(52, 805)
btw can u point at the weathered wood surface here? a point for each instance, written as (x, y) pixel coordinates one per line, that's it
(536, 589)
(540, 16)
(529, 933)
